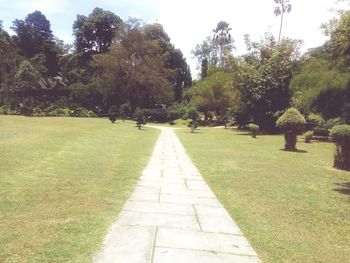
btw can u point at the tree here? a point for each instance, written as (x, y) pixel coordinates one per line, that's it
(337, 48)
(135, 70)
(7, 66)
(94, 33)
(214, 94)
(206, 55)
(263, 80)
(282, 7)
(32, 33)
(26, 78)
(222, 38)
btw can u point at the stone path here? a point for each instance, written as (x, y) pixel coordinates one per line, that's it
(173, 216)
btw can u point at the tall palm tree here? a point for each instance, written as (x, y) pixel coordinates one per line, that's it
(282, 7)
(223, 39)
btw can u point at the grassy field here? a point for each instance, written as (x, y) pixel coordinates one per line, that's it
(292, 206)
(62, 183)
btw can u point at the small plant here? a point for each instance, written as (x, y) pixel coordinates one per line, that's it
(254, 129)
(291, 123)
(140, 117)
(113, 113)
(193, 115)
(341, 136)
(308, 136)
(124, 110)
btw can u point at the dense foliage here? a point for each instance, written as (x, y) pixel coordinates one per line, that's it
(341, 136)
(132, 64)
(291, 123)
(112, 62)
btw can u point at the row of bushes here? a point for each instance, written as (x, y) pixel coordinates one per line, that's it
(50, 111)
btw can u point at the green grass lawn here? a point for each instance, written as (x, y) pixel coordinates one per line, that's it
(292, 206)
(63, 182)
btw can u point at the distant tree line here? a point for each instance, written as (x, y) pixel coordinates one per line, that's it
(112, 62)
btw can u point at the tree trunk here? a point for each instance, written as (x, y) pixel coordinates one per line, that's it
(193, 127)
(291, 141)
(279, 36)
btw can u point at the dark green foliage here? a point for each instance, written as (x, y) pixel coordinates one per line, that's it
(32, 33)
(157, 115)
(263, 79)
(254, 129)
(177, 110)
(193, 115)
(308, 136)
(323, 128)
(140, 117)
(291, 123)
(94, 33)
(125, 110)
(242, 116)
(341, 136)
(113, 113)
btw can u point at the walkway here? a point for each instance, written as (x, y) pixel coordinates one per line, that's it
(173, 216)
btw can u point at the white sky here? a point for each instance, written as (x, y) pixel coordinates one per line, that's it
(188, 22)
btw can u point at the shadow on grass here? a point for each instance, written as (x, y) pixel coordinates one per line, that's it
(296, 151)
(343, 188)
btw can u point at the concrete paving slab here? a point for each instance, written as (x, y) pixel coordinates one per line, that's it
(159, 208)
(216, 220)
(120, 244)
(172, 255)
(196, 240)
(182, 199)
(158, 220)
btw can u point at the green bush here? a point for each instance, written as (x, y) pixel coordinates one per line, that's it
(341, 136)
(125, 110)
(291, 123)
(140, 117)
(308, 136)
(5, 110)
(113, 113)
(324, 127)
(193, 115)
(254, 129)
(176, 111)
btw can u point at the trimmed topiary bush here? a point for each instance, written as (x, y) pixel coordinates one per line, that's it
(341, 136)
(113, 113)
(193, 115)
(124, 110)
(140, 117)
(308, 136)
(254, 129)
(291, 123)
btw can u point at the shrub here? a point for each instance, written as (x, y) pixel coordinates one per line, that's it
(291, 123)
(140, 117)
(341, 136)
(125, 110)
(308, 136)
(324, 127)
(193, 115)
(113, 113)
(4, 110)
(177, 111)
(254, 129)
(158, 115)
